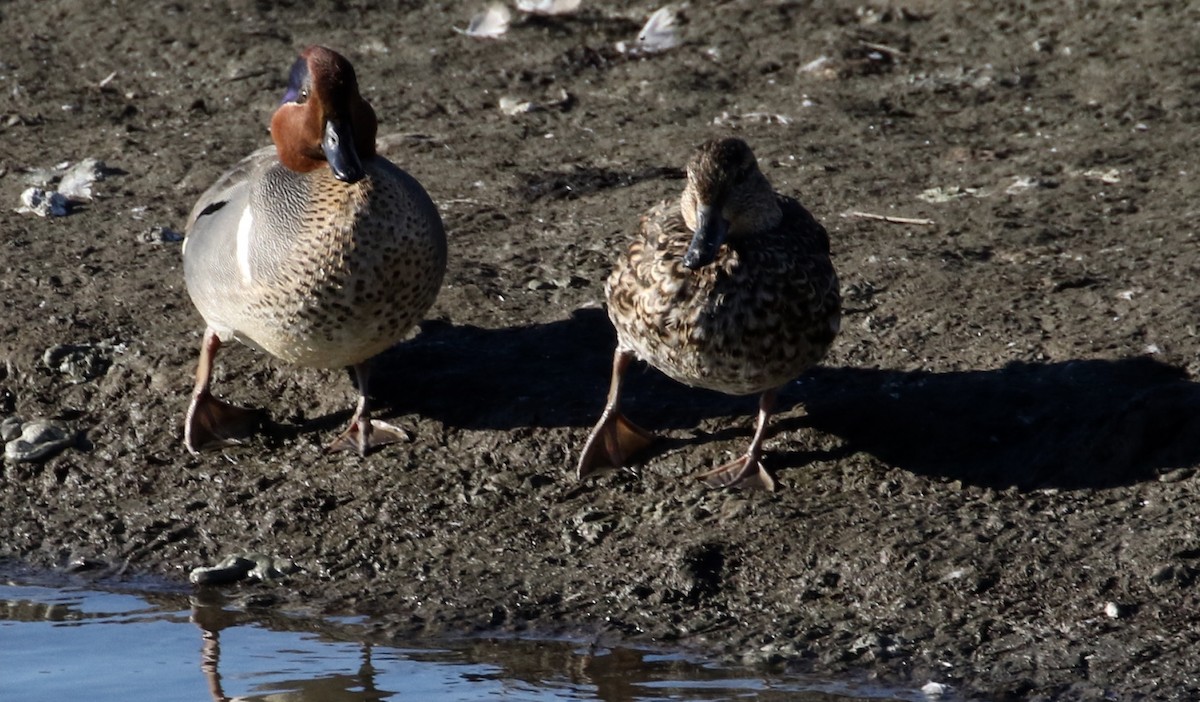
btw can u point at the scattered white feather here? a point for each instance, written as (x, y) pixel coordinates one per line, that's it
(1111, 176)
(489, 24)
(514, 106)
(56, 188)
(1021, 183)
(76, 183)
(820, 63)
(549, 7)
(726, 119)
(946, 194)
(43, 203)
(659, 34)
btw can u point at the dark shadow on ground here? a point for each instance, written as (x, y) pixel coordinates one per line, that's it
(547, 375)
(1077, 424)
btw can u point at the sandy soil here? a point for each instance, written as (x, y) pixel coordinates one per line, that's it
(990, 484)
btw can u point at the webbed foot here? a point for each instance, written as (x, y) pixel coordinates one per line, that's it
(614, 440)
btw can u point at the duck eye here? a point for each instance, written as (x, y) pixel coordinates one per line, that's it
(303, 96)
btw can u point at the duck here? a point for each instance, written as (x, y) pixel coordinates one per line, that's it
(730, 288)
(315, 250)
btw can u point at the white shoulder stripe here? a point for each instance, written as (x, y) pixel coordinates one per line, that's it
(245, 227)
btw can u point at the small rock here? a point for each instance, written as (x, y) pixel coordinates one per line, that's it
(489, 24)
(253, 566)
(934, 689)
(1172, 575)
(82, 564)
(1112, 610)
(230, 570)
(10, 428)
(548, 8)
(39, 440)
(80, 363)
(1176, 475)
(267, 569)
(162, 235)
(593, 525)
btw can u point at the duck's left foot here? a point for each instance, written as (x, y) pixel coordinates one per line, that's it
(376, 434)
(212, 423)
(744, 473)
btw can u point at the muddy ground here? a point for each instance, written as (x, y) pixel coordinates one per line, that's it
(989, 484)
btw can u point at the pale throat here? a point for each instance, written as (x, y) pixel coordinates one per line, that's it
(754, 212)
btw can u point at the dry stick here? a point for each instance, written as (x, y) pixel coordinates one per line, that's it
(891, 219)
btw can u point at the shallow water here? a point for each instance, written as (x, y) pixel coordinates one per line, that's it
(72, 642)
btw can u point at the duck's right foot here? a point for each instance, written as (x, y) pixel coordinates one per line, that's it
(614, 440)
(212, 423)
(377, 434)
(746, 473)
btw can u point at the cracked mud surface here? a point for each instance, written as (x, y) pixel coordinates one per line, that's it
(990, 483)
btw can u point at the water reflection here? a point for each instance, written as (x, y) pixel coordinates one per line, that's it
(358, 686)
(64, 642)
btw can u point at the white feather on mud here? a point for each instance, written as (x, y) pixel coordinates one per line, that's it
(660, 33)
(549, 8)
(514, 106)
(726, 119)
(43, 203)
(74, 184)
(492, 23)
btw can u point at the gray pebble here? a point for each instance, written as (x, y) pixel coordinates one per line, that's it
(235, 568)
(229, 570)
(1176, 475)
(10, 429)
(80, 363)
(162, 235)
(39, 440)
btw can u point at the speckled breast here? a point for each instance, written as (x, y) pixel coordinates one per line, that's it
(754, 320)
(363, 264)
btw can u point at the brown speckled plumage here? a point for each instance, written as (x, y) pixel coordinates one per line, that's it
(761, 312)
(319, 263)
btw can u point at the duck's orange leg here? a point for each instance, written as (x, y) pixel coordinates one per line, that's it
(211, 423)
(747, 472)
(614, 439)
(364, 433)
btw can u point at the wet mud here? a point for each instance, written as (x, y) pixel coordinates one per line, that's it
(989, 484)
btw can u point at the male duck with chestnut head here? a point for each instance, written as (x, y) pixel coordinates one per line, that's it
(316, 250)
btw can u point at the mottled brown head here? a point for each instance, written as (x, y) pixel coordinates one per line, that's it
(323, 120)
(726, 197)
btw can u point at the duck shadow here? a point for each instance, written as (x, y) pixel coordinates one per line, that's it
(545, 375)
(1070, 425)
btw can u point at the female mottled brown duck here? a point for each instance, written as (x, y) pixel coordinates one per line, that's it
(731, 290)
